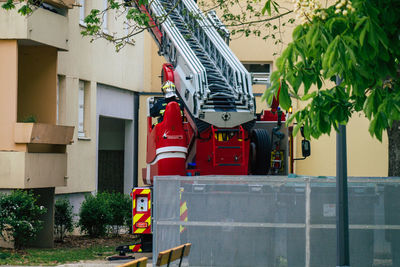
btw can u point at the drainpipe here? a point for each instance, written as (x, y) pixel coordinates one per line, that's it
(135, 138)
(136, 104)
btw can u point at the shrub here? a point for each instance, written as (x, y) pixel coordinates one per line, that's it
(94, 215)
(120, 208)
(63, 218)
(105, 211)
(20, 217)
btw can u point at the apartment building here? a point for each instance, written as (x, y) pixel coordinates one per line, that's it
(68, 106)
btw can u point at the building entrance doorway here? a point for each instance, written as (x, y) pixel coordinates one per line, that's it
(111, 155)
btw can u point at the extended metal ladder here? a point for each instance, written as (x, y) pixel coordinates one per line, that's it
(212, 82)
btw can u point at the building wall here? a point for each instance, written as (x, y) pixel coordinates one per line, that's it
(95, 63)
(8, 94)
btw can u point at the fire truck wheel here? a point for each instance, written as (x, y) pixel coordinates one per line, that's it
(252, 156)
(262, 159)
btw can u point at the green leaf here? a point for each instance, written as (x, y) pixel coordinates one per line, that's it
(330, 54)
(363, 33)
(396, 112)
(319, 82)
(284, 98)
(296, 129)
(297, 82)
(276, 6)
(297, 32)
(381, 36)
(8, 5)
(311, 32)
(275, 76)
(322, 123)
(25, 10)
(267, 7)
(350, 52)
(291, 118)
(309, 96)
(360, 22)
(373, 40)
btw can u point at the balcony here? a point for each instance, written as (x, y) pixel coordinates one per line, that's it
(44, 161)
(42, 133)
(25, 170)
(32, 155)
(61, 3)
(42, 27)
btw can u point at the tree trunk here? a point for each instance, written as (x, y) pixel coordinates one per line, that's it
(394, 149)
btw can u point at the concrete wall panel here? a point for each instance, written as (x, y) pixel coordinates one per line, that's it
(114, 102)
(8, 94)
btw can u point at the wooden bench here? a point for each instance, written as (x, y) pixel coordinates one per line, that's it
(142, 262)
(173, 254)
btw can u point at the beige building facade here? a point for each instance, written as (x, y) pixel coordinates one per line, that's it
(69, 106)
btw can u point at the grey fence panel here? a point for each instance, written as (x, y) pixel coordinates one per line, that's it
(275, 221)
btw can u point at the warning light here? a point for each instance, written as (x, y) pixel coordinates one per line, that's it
(290, 110)
(141, 224)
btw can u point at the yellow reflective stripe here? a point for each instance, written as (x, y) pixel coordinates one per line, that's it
(183, 207)
(137, 217)
(146, 191)
(139, 230)
(148, 221)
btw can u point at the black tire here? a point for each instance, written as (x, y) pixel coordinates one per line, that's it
(261, 161)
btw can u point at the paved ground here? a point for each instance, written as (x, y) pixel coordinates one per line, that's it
(103, 263)
(99, 264)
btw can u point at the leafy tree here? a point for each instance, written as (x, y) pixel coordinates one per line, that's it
(246, 17)
(20, 217)
(356, 41)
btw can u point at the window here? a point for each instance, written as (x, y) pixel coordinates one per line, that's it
(259, 71)
(83, 111)
(82, 12)
(263, 68)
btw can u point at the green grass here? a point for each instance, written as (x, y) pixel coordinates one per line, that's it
(54, 256)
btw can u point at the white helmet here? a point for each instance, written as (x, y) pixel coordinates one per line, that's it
(168, 89)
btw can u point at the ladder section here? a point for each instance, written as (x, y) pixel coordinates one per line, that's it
(220, 96)
(229, 65)
(211, 81)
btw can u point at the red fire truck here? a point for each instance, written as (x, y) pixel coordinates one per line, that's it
(218, 132)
